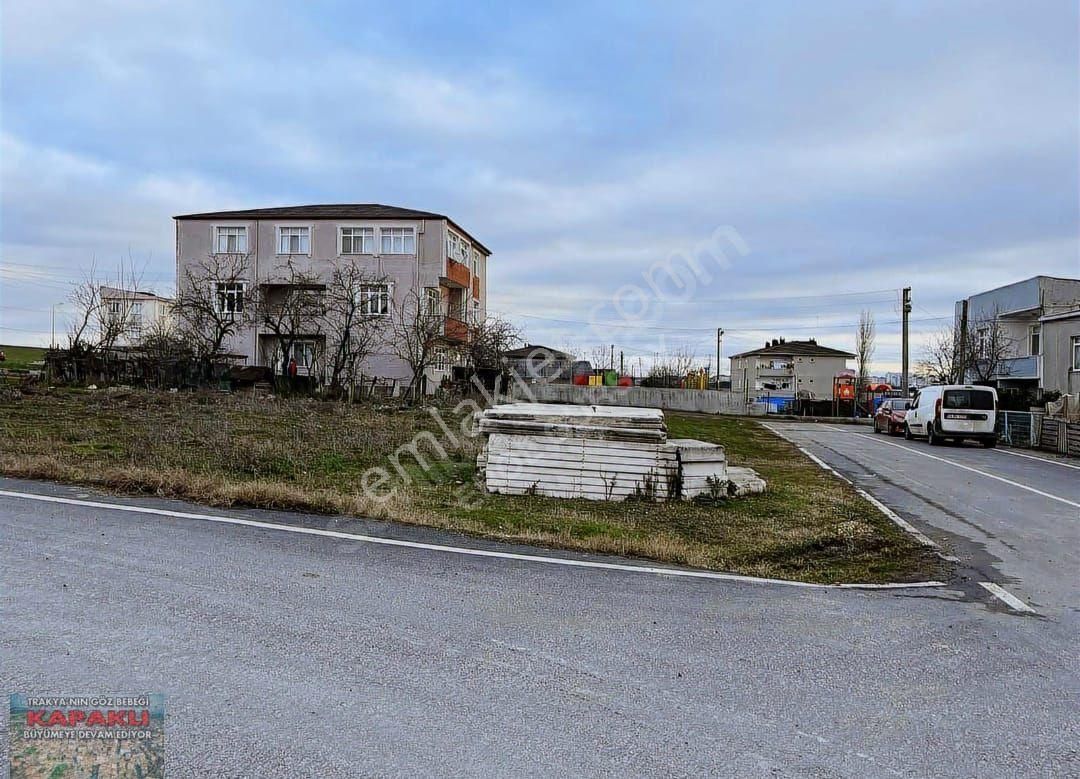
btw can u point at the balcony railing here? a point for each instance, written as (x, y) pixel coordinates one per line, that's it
(1019, 368)
(455, 330)
(458, 273)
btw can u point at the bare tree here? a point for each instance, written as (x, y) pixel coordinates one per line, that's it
(987, 348)
(351, 331)
(600, 356)
(865, 335)
(417, 331)
(950, 357)
(940, 360)
(213, 299)
(673, 365)
(104, 309)
(293, 309)
(489, 340)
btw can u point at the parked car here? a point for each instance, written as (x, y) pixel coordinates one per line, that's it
(953, 412)
(889, 417)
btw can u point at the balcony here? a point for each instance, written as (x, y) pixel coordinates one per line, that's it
(1020, 368)
(455, 330)
(457, 275)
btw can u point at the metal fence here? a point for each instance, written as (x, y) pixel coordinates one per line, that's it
(1033, 430)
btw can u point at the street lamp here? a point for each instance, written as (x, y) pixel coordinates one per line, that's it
(52, 310)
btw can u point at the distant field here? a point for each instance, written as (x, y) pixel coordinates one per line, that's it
(311, 456)
(21, 356)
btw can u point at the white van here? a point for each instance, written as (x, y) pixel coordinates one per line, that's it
(953, 412)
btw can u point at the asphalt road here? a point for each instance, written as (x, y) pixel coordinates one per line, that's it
(284, 655)
(1011, 515)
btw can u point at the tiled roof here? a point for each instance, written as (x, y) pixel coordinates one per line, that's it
(795, 348)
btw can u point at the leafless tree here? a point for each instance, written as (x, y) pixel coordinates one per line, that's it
(865, 335)
(940, 359)
(103, 309)
(488, 342)
(417, 331)
(351, 332)
(600, 357)
(950, 357)
(988, 347)
(293, 308)
(213, 300)
(673, 365)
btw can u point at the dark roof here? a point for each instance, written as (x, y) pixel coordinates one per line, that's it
(331, 211)
(525, 351)
(809, 348)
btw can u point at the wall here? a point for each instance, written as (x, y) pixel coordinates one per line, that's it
(1057, 355)
(704, 401)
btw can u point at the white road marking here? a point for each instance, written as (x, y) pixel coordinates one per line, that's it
(919, 536)
(310, 531)
(1010, 482)
(1007, 597)
(1040, 459)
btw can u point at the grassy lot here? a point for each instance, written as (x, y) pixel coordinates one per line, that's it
(21, 356)
(308, 455)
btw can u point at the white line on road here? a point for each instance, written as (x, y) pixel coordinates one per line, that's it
(919, 536)
(310, 531)
(1039, 459)
(1007, 597)
(1010, 482)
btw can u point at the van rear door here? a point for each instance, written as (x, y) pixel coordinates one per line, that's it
(968, 410)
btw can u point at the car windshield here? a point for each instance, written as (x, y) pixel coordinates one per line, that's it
(982, 400)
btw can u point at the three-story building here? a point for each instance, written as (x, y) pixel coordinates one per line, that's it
(410, 255)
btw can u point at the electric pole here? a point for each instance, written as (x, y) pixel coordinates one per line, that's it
(719, 350)
(904, 358)
(961, 348)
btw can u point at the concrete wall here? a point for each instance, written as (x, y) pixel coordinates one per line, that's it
(1057, 338)
(704, 401)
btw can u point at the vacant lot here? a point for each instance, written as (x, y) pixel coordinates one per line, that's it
(308, 455)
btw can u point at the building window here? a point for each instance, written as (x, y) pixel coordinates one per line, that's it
(374, 300)
(398, 240)
(1076, 352)
(304, 354)
(1035, 340)
(475, 263)
(135, 318)
(441, 361)
(357, 240)
(230, 297)
(294, 240)
(231, 240)
(433, 300)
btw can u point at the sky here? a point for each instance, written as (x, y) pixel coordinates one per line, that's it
(818, 156)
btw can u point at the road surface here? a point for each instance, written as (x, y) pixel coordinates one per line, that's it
(1010, 515)
(285, 655)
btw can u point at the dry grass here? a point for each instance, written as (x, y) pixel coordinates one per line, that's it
(309, 456)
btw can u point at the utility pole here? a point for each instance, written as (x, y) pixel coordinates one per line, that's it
(719, 351)
(904, 358)
(612, 362)
(621, 369)
(961, 348)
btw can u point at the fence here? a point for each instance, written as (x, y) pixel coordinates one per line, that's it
(704, 401)
(1038, 431)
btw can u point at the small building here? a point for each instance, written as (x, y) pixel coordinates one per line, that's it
(1020, 312)
(536, 363)
(137, 313)
(804, 369)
